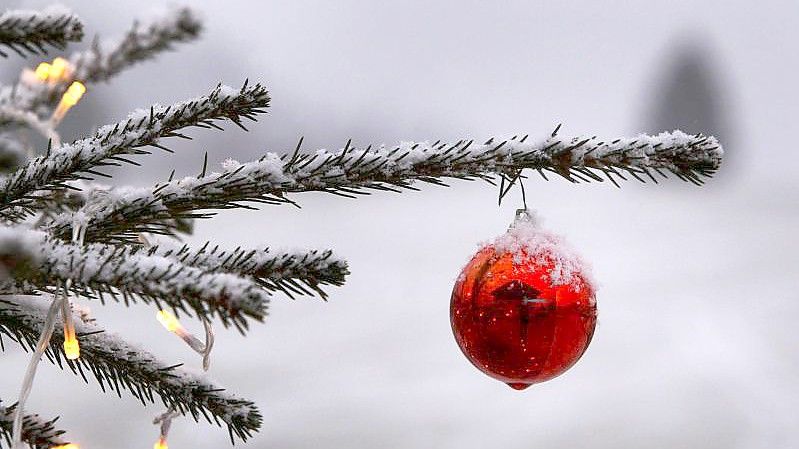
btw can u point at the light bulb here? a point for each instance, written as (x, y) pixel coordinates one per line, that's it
(71, 347)
(43, 71)
(169, 321)
(161, 444)
(69, 99)
(73, 93)
(59, 69)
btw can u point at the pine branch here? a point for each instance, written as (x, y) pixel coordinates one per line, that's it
(30, 32)
(350, 172)
(128, 274)
(105, 59)
(36, 432)
(118, 366)
(82, 159)
(142, 42)
(296, 272)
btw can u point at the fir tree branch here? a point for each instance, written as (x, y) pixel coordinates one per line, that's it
(297, 272)
(350, 171)
(127, 274)
(81, 159)
(30, 32)
(36, 432)
(145, 40)
(118, 366)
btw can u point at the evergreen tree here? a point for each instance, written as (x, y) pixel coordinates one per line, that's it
(64, 235)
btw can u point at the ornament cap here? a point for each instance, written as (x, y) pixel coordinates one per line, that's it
(525, 215)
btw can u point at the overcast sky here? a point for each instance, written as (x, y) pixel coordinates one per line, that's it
(696, 342)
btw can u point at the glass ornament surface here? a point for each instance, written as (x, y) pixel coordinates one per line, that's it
(523, 309)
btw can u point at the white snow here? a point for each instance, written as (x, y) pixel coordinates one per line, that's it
(527, 239)
(137, 272)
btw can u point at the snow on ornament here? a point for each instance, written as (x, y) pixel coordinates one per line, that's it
(523, 309)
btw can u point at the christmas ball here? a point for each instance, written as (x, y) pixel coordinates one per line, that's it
(523, 309)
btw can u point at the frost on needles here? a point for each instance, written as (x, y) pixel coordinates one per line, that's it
(62, 232)
(31, 32)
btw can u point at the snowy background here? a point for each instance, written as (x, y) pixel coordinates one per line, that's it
(696, 344)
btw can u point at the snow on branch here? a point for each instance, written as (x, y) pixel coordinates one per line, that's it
(82, 158)
(127, 274)
(143, 41)
(30, 32)
(293, 272)
(36, 432)
(351, 171)
(118, 365)
(103, 60)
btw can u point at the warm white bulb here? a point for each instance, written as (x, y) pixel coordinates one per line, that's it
(72, 350)
(42, 71)
(59, 69)
(73, 93)
(168, 320)
(67, 446)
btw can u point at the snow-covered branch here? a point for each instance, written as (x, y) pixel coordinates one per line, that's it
(119, 366)
(143, 41)
(293, 272)
(105, 59)
(350, 171)
(30, 32)
(82, 158)
(36, 432)
(128, 274)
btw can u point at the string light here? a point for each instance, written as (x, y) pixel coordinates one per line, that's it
(171, 323)
(71, 346)
(165, 421)
(161, 444)
(59, 69)
(73, 93)
(67, 446)
(43, 71)
(70, 98)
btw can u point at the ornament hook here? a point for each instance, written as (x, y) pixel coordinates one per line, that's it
(517, 177)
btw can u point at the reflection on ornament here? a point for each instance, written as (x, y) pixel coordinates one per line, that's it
(523, 309)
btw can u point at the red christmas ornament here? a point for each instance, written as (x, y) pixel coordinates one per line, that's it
(523, 309)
